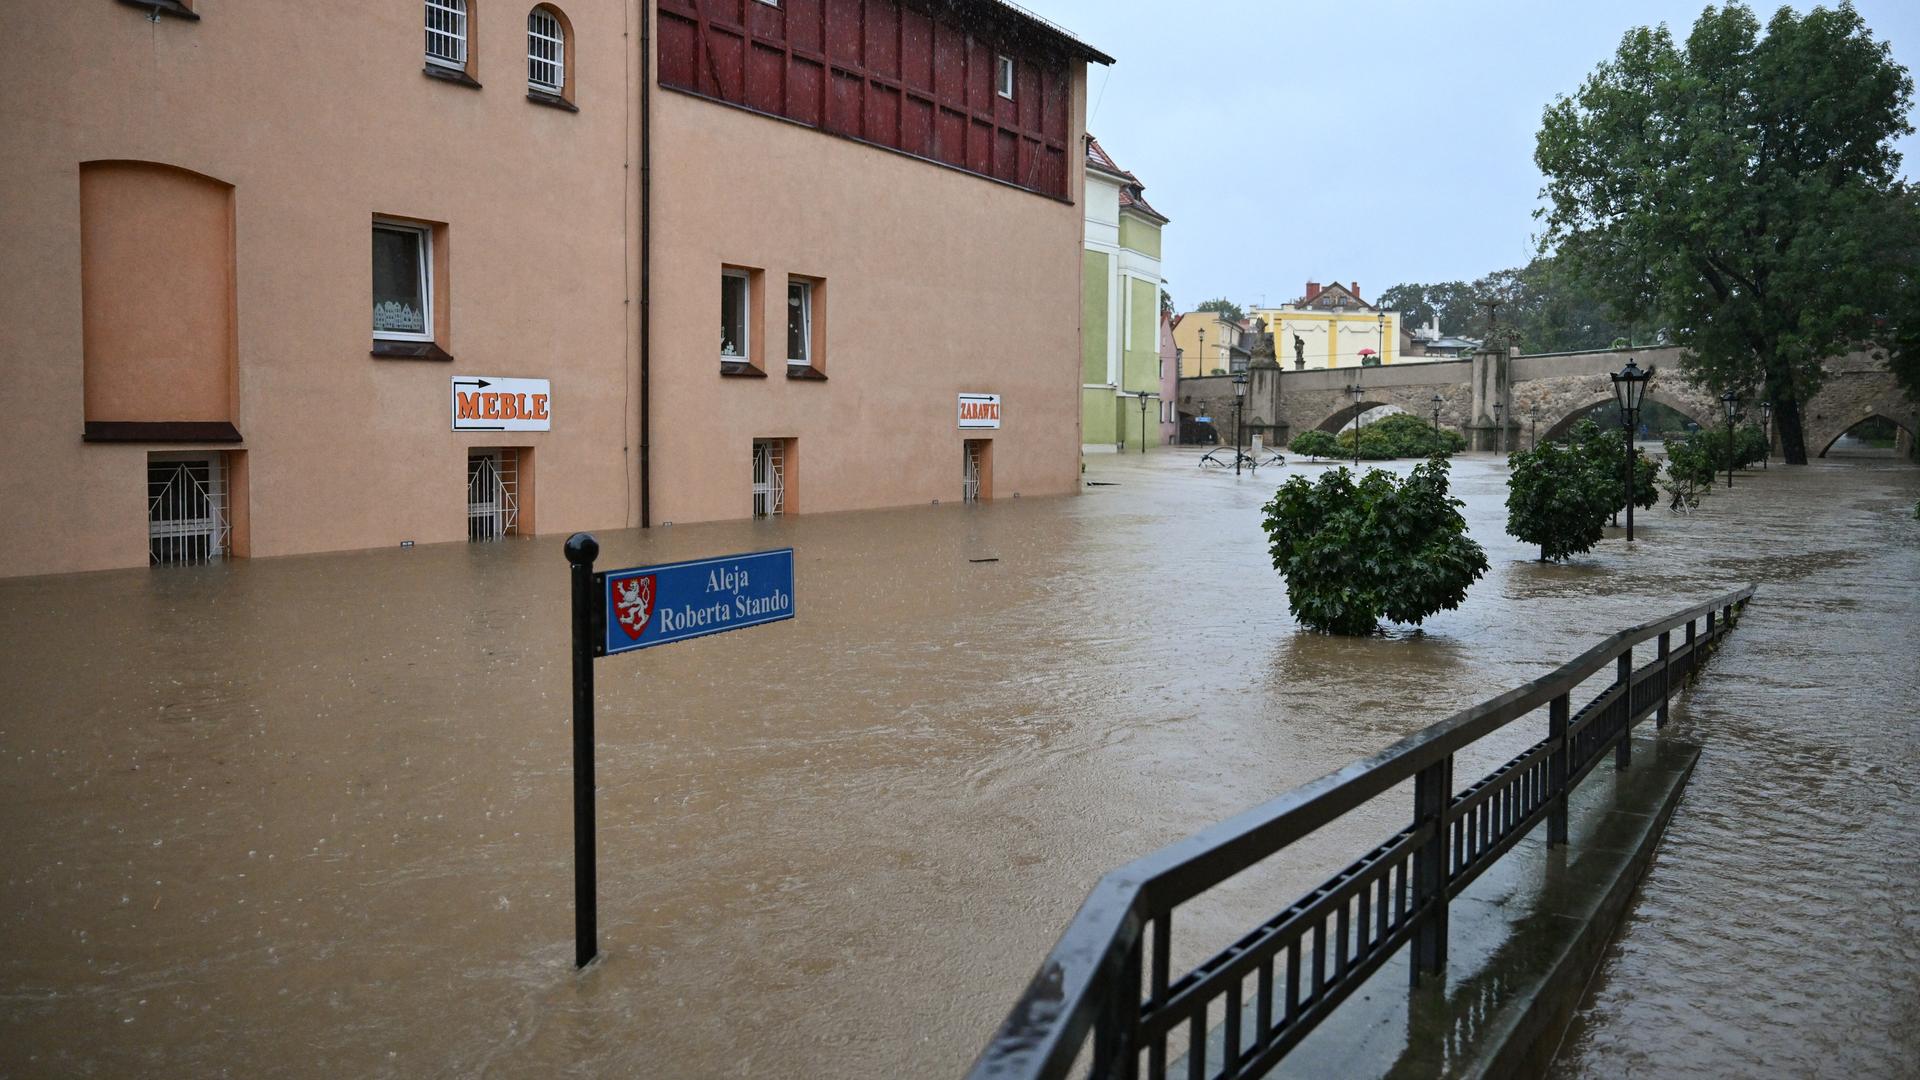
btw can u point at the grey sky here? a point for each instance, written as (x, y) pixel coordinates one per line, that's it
(1377, 141)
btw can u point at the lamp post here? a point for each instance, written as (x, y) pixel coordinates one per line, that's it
(1500, 431)
(1629, 386)
(1766, 422)
(1437, 402)
(1382, 319)
(1357, 393)
(1533, 429)
(1239, 398)
(1143, 423)
(1200, 357)
(1729, 400)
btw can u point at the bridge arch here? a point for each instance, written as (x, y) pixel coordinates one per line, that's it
(1342, 419)
(1560, 427)
(1905, 427)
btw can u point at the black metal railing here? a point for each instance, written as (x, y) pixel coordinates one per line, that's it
(1108, 978)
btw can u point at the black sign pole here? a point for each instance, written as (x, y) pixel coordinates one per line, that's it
(581, 551)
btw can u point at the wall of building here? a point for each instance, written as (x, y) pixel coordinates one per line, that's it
(1119, 316)
(942, 282)
(320, 122)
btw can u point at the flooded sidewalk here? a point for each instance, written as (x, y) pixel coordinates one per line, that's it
(311, 816)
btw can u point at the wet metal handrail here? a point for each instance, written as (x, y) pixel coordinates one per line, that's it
(1303, 967)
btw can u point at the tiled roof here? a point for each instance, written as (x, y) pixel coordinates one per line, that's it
(1131, 189)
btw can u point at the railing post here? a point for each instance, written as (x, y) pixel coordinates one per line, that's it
(1557, 771)
(1115, 1053)
(1623, 750)
(1709, 624)
(1432, 792)
(1666, 677)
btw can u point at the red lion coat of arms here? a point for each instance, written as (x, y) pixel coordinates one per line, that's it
(633, 604)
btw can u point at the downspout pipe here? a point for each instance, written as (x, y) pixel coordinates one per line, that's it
(646, 263)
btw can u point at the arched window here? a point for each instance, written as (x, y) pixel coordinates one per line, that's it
(547, 51)
(447, 33)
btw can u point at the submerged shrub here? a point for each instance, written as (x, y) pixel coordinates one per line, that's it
(1352, 553)
(1556, 500)
(1314, 444)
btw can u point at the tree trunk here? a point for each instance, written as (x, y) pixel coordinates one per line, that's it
(1793, 439)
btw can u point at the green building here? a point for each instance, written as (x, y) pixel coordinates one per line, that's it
(1120, 310)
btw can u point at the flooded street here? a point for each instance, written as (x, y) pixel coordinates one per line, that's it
(311, 816)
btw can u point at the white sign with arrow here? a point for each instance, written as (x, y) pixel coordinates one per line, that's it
(487, 403)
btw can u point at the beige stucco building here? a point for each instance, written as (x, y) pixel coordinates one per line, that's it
(201, 361)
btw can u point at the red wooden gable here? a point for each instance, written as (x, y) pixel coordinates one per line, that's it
(879, 71)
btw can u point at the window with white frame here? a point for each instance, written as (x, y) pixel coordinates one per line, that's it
(735, 298)
(546, 52)
(402, 282)
(447, 33)
(1003, 76)
(799, 322)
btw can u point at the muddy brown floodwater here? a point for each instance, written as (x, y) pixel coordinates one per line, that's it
(310, 816)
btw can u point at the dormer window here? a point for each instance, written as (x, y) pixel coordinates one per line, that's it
(1003, 76)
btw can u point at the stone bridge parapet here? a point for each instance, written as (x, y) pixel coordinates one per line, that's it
(1493, 398)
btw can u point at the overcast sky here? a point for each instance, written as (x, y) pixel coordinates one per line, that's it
(1378, 141)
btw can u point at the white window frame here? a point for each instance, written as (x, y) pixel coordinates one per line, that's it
(452, 26)
(806, 322)
(554, 35)
(743, 354)
(425, 235)
(1003, 76)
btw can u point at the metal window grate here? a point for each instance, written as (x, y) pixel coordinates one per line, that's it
(186, 509)
(970, 476)
(447, 33)
(769, 477)
(493, 494)
(546, 52)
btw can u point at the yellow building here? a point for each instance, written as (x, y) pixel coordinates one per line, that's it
(1331, 326)
(1208, 342)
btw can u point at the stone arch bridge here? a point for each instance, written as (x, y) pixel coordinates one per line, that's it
(1563, 386)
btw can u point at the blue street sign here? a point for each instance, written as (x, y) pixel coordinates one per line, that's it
(658, 605)
(1203, 419)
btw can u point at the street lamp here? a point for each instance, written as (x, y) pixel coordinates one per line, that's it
(1357, 393)
(1437, 402)
(1500, 444)
(1629, 386)
(1143, 423)
(1766, 422)
(1730, 400)
(1200, 358)
(1533, 429)
(1239, 398)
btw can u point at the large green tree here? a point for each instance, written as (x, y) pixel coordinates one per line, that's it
(1224, 306)
(1545, 306)
(1741, 187)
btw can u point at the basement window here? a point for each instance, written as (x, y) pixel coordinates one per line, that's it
(493, 494)
(769, 477)
(187, 508)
